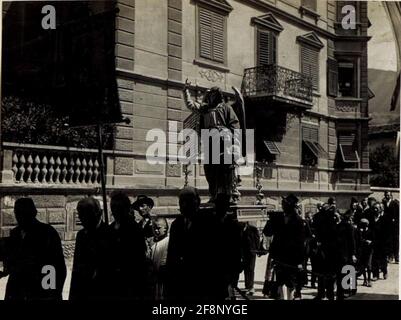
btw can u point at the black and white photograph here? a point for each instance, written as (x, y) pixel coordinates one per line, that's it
(216, 152)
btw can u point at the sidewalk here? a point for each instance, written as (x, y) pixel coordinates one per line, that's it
(380, 290)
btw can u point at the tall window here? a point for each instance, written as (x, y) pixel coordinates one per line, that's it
(266, 48)
(212, 35)
(347, 78)
(310, 64)
(311, 149)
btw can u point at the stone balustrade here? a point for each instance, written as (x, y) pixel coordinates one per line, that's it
(29, 164)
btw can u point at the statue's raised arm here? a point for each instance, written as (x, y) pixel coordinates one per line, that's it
(191, 104)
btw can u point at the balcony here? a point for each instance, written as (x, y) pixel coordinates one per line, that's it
(280, 86)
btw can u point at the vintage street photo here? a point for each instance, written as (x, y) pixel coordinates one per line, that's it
(199, 151)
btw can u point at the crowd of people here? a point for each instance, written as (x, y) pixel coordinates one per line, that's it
(365, 238)
(201, 255)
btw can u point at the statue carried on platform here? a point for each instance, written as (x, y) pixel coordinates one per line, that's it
(222, 127)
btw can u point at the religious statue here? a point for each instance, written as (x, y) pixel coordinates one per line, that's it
(224, 124)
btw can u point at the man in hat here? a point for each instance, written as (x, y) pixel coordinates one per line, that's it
(33, 251)
(287, 248)
(91, 270)
(144, 205)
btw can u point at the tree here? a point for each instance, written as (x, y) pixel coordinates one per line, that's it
(34, 123)
(385, 167)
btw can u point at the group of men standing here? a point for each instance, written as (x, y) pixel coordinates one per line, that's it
(201, 258)
(364, 239)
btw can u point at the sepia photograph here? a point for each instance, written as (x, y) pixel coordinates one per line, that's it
(216, 152)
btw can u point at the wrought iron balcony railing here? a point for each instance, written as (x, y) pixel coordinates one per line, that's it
(275, 81)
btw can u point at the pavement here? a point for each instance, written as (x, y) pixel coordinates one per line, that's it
(381, 289)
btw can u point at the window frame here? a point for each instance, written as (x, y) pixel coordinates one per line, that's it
(273, 43)
(340, 148)
(316, 88)
(312, 144)
(356, 76)
(199, 57)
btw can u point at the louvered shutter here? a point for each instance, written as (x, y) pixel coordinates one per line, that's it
(310, 64)
(310, 133)
(264, 47)
(218, 37)
(205, 33)
(211, 35)
(348, 148)
(273, 48)
(310, 4)
(267, 47)
(332, 77)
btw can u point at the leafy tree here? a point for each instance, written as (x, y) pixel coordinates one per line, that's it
(34, 123)
(385, 167)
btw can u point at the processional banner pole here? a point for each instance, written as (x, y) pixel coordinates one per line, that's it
(102, 173)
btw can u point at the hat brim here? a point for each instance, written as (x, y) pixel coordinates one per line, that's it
(139, 202)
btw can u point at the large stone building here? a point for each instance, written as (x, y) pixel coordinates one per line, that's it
(303, 75)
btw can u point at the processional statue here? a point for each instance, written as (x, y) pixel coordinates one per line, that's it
(224, 124)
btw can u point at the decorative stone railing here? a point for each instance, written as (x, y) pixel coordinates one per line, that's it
(31, 164)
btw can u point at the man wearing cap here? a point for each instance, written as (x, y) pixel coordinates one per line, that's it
(287, 247)
(34, 251)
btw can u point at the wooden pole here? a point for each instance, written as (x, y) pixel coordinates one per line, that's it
(102, 173)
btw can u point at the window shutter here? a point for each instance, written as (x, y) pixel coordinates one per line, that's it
(218, 37)
(211, 35)
(205, 33)
(310, 64)
(274, 48)
(348, 148)
(310, 4)
(332, 77)
(267, 47)
(264, 47)
(310, 133)
(272, 147)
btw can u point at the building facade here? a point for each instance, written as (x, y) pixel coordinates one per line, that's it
(303, 75)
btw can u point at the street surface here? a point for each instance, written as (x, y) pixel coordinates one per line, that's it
(381, 289)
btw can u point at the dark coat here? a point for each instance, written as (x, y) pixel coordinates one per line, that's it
(288, 239)
(382, 244)
(345, 243)
(128, 256)
(250, 241)
(324, 226)
(92, 267)
(196, 259)
(26, 256)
